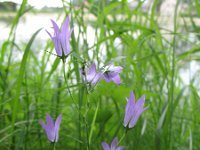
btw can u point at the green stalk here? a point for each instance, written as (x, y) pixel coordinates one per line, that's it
(76, 68)
(77, 107)
(65, 78)
(123, 136)
(86, 120)
(171, 92)
(54, 145)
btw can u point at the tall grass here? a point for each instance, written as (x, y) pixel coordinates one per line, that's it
(153, 58)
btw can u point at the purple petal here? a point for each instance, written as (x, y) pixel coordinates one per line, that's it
(138, 109)
(129, 109)
(114, 143)
(57, 45)
(91, 73)
(65, 35)
(139, 105)
(57, 126)
(105, 146)
(56, 39)
(65, 26)
(116, 69)
(49, 120)
(96, 78)
(116, 79)
(92, 69)
(50, 129)
(56, 28)
(42, 124)
(50, 134)
(120, 148)
(107, 77)
(134, 119)
(128, 114)
(110, 75)
(65, 44)
(132, 97)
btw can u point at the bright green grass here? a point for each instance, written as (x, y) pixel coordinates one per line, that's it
(152, 62)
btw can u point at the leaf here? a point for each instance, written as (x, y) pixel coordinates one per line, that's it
(20, 77)
(93, 123)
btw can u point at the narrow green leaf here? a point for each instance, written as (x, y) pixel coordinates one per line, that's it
(197, 6)
(54, 66)
(93, 123)
(20, 77)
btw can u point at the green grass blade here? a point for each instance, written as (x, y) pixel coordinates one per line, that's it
(93, 123)
(20, 77)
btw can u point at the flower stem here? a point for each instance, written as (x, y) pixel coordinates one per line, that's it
(54, 145)
(123, 136)
(86, 120)
(68, 86)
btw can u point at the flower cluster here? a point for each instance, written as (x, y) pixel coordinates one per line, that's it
(90, 75)
(109, 73)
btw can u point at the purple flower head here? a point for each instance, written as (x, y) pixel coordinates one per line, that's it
(61, 38)
(113, 145)
(51, 128)
(91, 76)
(112, 73)
(133, 110)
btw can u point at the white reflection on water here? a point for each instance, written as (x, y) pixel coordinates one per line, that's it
(27, 26)
(39, 3)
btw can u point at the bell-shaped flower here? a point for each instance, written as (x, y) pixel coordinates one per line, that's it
(133, 110)
(51, 128)
(111, 73)
(91, 76)
(113, 145)
(61, 38)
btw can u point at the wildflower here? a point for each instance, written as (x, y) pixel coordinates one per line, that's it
(91, 76)
(50, 128)
(61, 38)
(113, 145)
(133, 110)
(112, 73)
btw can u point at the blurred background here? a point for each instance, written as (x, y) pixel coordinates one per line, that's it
(156, 42)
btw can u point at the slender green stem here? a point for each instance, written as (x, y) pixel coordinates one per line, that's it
(86, 120)
(68, 87)
(123, 136)
(78, 107)
(171, 92)
(54, 145)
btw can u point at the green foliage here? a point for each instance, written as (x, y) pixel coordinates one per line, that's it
(154, 59)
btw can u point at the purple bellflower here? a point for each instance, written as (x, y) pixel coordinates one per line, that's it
(50, 128)
(61, 38)
(91, 76)
(112, 73)
(133, 110)
(113, 145)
